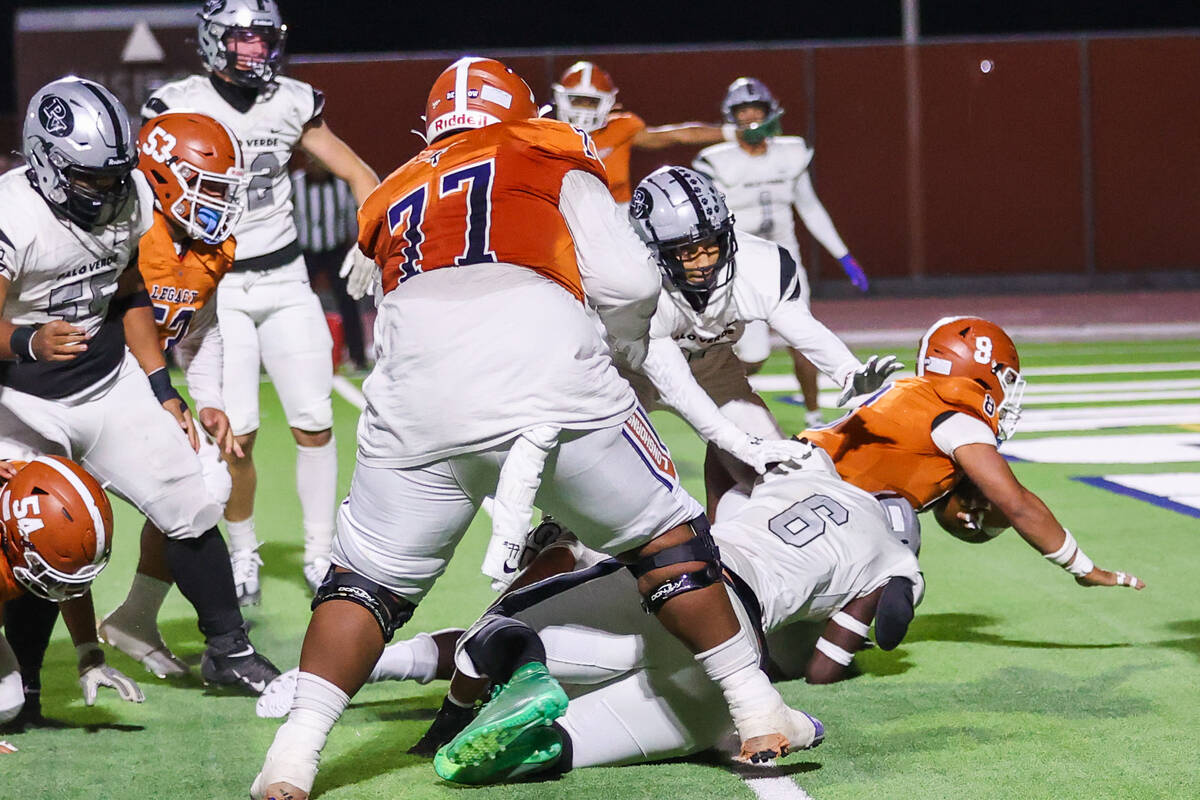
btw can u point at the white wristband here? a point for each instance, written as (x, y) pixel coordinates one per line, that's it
(851, 624)
(838, 654)
(1082, 565)
(1062, 556)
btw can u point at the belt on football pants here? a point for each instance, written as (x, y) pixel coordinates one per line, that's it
(277, 258)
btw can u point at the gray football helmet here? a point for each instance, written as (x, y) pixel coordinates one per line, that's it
(226, 22)
(77, 143)
(674, 207)
(747, 91)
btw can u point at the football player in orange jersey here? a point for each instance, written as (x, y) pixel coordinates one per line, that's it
(585, 96)
(55, 538)
(923, 438)
(492, 241)
(193, 163)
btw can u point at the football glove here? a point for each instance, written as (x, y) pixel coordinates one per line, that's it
(94, 673)
(869, 377)
(858, 278)
(760, 453)
(359, 273)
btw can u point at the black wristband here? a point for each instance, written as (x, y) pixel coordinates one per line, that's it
(21, 342)
(160, 384)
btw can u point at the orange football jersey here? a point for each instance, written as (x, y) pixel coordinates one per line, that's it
(481, 196)
(886, 444)
(614, 143)
(179, 283)
(9, 588)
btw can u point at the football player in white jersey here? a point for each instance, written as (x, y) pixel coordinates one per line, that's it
(268, 312)
(764, 175)
(71, 304)
(715, 282)
(807, 548)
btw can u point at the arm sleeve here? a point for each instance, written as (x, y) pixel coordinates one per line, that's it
(668, 370)
(792, 320)
(8, 257)
(955, 430)
(201, 354)
(618, 276)
(816, 218)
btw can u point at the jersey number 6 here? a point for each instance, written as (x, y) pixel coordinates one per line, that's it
(802, 522)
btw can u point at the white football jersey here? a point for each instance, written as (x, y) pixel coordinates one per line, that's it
(58, 270)
(760, 190)
(268, 132)
(808, 543)
(765, 286)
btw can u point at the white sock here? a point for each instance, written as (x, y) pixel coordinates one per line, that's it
(141, 606)
(241, 534)
(296, 751)
(752, 700)
(316, 483)
(413, 659)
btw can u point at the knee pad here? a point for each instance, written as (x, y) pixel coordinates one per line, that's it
(12, 696)
(496, 646)
(700, 547)
(390, 611)
(894, 613)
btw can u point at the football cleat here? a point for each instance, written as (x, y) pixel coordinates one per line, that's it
(276, 699)
(146, 647)
(230, 661)
(448, 723)
(531, 699)
(798, 731)
(280, 790)
(534, 750)
(315, 572)
(813, 418)
(245, 565)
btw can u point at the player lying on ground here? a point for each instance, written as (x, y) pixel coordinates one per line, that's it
(55, 537)
(807, 547)
(493, 241)
(933, 440)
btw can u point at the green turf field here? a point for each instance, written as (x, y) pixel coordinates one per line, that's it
(1013, 682)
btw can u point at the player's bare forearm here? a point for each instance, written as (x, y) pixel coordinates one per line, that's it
(79, 615)
(823, 668)
(6, 327)
(319, 142)
(989, 471)
(141, 337)
(697, 134)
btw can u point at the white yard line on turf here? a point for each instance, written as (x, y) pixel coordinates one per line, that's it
(349, 392)
(778, 787)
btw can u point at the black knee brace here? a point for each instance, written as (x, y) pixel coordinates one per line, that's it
(894, 613)
(390, 611)
(700, 547)
(502, 645)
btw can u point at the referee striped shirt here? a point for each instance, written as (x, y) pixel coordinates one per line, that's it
(325, 213)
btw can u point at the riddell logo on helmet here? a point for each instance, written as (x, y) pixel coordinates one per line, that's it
(461, 119)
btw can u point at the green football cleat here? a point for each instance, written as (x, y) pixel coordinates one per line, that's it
(531, 699)
(534, 750)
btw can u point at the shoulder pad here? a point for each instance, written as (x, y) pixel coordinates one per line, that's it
(964, 394)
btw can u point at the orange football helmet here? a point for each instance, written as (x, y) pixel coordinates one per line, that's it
(194, 165)
(584, 96)
(474, 92)
(55, 527)
(974, 348)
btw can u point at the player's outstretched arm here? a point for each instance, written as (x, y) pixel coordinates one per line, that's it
(79, 615)
(984, 465)
(697, 134)
(814, 216)
(325, 146)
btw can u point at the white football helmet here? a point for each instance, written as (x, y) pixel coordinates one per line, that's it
(77, 143)
(244, 23)
(584, 96)
(752, 91)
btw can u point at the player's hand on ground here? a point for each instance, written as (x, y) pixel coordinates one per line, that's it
(858, 278)
(1102, 577)
(180, 412)
(869, 377)
(761, 453)
(58, 340)
(94, 673)
(216, 424)
(358, 272)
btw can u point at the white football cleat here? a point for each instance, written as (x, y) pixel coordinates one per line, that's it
(245, 565)
(314, 573)
(276, 699)
(814, 418)
(144, 646)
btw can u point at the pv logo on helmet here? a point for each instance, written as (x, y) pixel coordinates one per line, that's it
(56, 116)
(640, 204)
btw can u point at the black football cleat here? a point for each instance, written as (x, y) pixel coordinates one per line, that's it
(448, 723)
(231, 662)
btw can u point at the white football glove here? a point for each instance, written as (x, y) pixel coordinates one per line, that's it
(359, 272)
(760, 453)
(869, 377)
(94, 673)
